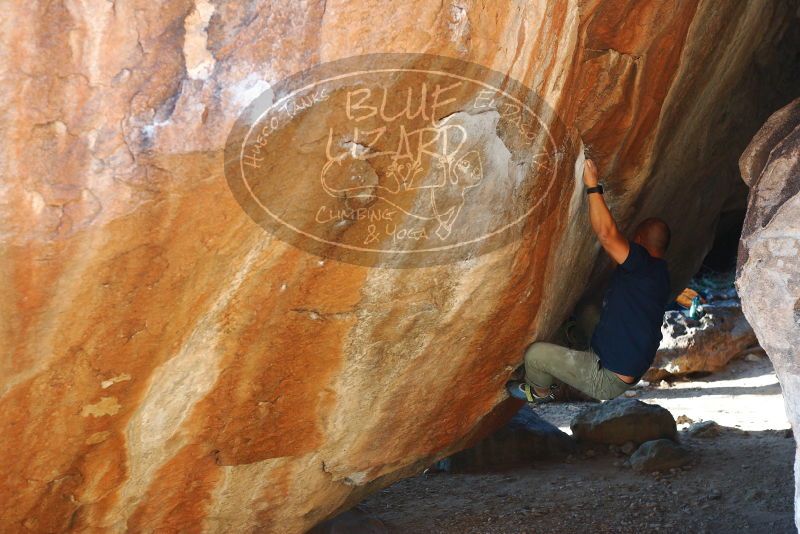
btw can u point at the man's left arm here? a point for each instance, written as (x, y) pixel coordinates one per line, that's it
(603, 223)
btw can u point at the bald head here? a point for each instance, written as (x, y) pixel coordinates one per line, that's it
(654, 235)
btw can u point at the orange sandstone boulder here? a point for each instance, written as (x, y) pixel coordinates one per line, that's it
(168, 365)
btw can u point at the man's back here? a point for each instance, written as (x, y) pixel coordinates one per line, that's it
(629, 332)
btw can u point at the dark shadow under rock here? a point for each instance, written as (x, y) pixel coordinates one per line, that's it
(526, 438)
(353, 521)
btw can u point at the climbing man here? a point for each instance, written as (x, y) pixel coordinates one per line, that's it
(620, 340)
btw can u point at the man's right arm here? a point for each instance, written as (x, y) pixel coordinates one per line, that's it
(603, 224)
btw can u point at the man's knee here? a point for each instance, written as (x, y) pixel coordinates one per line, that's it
(612, 391)
(539, 350)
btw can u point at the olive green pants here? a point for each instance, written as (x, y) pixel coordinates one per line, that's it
(575, 364)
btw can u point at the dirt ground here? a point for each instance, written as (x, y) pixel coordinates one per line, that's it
(740, 481)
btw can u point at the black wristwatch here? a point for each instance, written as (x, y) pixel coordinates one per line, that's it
(596, 189)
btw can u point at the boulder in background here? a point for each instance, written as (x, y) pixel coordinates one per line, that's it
(768, 272)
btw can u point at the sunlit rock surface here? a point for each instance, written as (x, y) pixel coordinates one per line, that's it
(167, 366)
(769, 255)
(704, 345)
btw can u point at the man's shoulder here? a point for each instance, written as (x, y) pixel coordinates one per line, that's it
(637, 258)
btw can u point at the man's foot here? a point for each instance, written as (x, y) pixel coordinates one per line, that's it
(523, 391)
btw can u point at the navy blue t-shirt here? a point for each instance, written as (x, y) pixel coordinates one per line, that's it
(627, 337)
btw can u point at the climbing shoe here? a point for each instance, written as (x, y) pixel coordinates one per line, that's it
(523, 391)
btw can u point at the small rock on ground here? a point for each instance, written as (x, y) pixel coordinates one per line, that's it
(704, 429)
(659, 455)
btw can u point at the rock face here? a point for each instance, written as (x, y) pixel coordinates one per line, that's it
(623, 420)
(704, 345)
(168, 366)
(769, 254)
